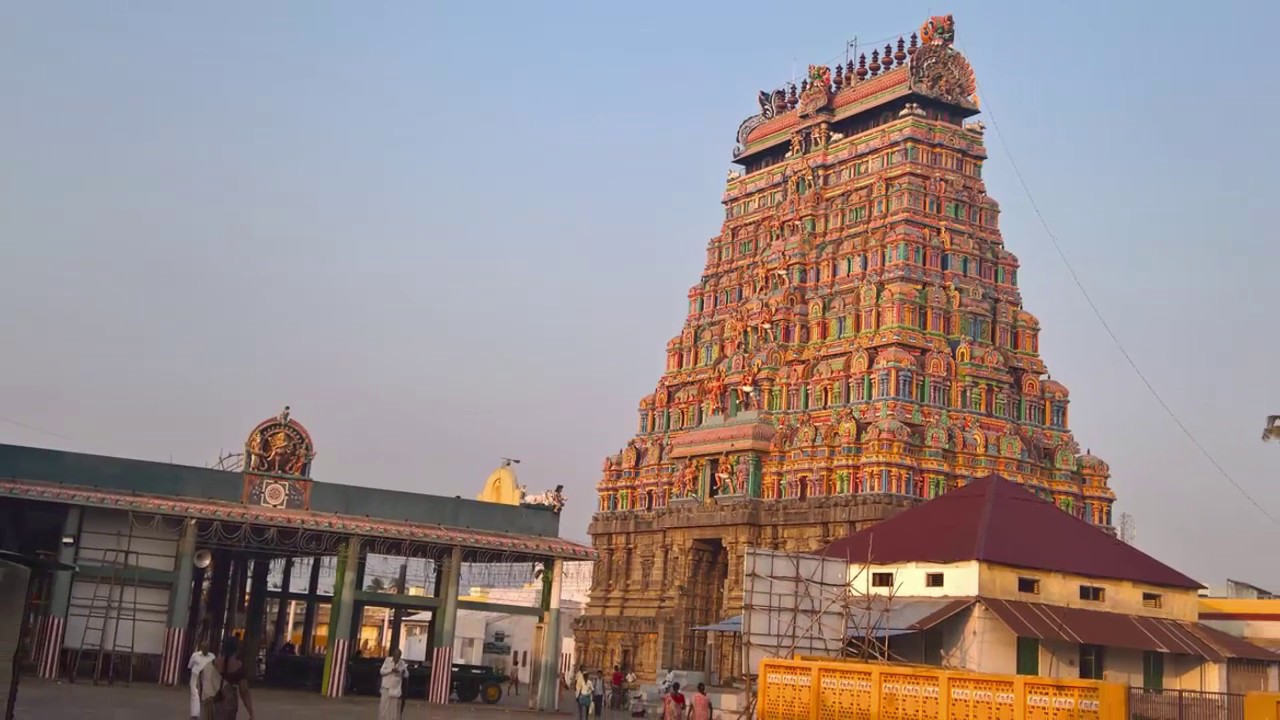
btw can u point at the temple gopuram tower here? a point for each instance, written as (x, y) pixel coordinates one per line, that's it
(856, 344)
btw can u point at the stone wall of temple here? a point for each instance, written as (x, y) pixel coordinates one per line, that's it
(856, 343)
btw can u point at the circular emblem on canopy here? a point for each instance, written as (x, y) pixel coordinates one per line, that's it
(280, 446)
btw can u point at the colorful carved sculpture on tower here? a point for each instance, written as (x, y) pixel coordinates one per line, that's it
(856, 344)
(938, 29)
(277, 464)
(279, 446)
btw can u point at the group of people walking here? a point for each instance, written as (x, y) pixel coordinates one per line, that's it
(589, 692)
(219, 683)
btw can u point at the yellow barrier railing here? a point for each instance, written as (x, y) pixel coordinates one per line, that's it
(1262, 706)
(838, 690)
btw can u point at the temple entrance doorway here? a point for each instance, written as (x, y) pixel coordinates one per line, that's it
(705, 585)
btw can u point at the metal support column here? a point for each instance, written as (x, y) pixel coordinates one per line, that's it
(255, 615)
(446, 618)
(54, 626)
(279, 630)
(217, 607)
(175, 637)
(549, 675)
(340, 614)
(309, 617)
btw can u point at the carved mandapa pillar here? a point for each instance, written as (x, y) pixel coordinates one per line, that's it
(341, 615)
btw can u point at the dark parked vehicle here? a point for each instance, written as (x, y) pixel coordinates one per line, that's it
(469, 681)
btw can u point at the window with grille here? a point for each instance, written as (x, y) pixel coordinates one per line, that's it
(1152, 600)
(1090, 662)
(1028, 585)
(933, 580)
(1092, 593)
(882, 579)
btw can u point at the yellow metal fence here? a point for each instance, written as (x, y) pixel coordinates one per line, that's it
(1262, 706)
(837, 690)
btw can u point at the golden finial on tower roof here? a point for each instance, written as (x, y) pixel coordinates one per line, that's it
(502, 486)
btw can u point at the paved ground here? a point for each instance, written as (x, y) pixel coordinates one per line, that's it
(64, 701)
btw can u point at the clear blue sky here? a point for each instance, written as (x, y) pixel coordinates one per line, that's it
(448, 232)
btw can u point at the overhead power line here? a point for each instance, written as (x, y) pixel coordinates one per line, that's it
(1075, 278)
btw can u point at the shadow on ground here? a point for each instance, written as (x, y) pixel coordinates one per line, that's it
(39, 700)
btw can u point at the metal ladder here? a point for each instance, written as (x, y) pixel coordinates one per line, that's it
(105, 611)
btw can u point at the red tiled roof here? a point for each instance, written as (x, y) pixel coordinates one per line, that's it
(1094, 627)
(300, 519)
(998, 521)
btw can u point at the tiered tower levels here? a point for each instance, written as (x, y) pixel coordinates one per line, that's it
(856, 343)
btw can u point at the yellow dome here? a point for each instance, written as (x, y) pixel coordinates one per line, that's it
(502, 486)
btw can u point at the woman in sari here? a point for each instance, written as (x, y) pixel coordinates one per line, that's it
(700, 704)
(673, 707)
(224, 685)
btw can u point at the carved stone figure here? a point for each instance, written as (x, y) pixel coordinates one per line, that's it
(940, 72)
(742, 474)
(713, 390)
(724, 475)
(280, 452)
(821, 135)
(553, 499)
(255, 453)
(688, 480)
(747, 387)
(938, 29)
(732, 334)
(817, 96)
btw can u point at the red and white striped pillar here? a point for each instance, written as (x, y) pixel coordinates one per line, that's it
(53, 627)
(49, 646)
(441, 676)
(341, 620)
(37, 634)
(445, 619)
(173, 661)
(338, 675)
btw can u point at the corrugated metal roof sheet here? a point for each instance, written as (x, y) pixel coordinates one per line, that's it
(729, 625)
(997, 521)
(1094, 627)
(881, 616)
